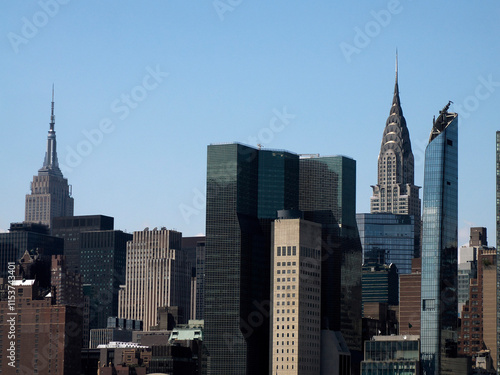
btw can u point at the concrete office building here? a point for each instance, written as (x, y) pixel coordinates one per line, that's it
(50, 192)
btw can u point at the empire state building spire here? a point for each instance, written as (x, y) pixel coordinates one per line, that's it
(50, 163)
(50, 192)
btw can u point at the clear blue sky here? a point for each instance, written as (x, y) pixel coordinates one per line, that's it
(152, 83)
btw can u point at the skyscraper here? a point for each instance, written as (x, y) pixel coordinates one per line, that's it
(395, 191)
(390, 233)
(245, 189)
(157, 275)
(296, 297)
(237, 267)
(50, 193)
(439, 245)
(328, 196)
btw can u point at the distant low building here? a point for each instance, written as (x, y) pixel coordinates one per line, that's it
(392, 355)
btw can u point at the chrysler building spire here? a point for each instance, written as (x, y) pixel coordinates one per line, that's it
(395, 192)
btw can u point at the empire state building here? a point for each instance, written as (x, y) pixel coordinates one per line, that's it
(50, 192)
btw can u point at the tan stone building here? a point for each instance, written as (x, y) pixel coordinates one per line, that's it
(295, 297)
(157, 275)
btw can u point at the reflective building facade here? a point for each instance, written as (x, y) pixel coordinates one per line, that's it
(439, 245)
(388, 239)
(328, 197)
(245, 189)
(241, 183)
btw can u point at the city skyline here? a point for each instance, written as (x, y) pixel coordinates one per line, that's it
(309, 78)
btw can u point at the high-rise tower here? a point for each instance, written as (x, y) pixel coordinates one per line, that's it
(395, 191)
(391, 232)
(439, 246)
(50, 193)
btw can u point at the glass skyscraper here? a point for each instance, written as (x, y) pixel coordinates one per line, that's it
(245, 189)
(328, 196)
(439, 245)
(242, 182)
(388, 239)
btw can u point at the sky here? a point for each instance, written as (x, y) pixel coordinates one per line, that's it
(142, 88)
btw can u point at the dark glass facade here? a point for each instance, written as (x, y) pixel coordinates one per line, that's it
(380, 284)
(103, 258)
(328, 196)
(439, 245)
(245, 189)
(241, 183)
(388, 239)
(70, 227)
(392, 356)
(27, 236)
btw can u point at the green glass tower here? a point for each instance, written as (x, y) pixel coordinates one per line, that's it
(328, 197)
(245, 188)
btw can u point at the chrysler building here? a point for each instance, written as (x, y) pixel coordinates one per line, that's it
(395, 191)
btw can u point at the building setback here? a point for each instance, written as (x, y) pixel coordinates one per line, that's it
(50, 192)
(439, 246)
